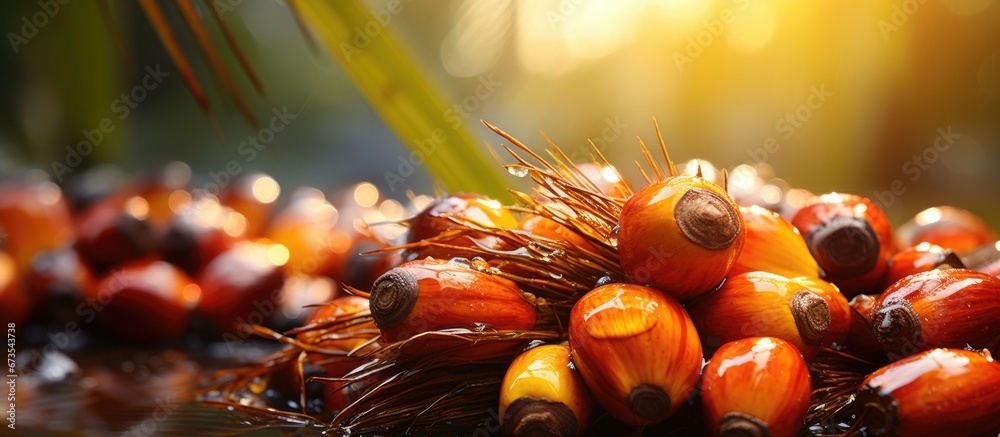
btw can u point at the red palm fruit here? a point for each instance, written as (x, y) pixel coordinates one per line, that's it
(939, 392)
(252, 195)
(547, 228)
(760, 304)
(636, 349)
(939, 308)
(840, 309)
(681, 236)
(861, 340)
(59, 280)
(946, 226)
(429, 295)
(111, 232)
(15, 306)
(243, 284)
(298, 297)
(434, 220)
(33, 218)
(851, 239)
(200, 231)
(757, 386)
(919, 258)
(542, 393)
(773, 245)
(143, 301)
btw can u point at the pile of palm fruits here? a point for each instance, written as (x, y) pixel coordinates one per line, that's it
(154, 260)
(694, 303)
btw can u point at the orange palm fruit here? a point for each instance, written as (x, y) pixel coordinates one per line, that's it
(542, 393)
(243, 285)
(940, 392)
(840, 309)
(308, 227)
(636, 349)
(142, 301)
(773, 245)
(605, 179)
(330, 313)
(946, 226)
(851, 239)
(681, 236)
(165, 189)
(757, 386)
(33, 218)
(253, 196)
(919, 258)
(429, 295)
(760, 304)
(112, 232)
(938, 308)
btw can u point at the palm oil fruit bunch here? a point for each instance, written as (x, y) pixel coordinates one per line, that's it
(595, 307)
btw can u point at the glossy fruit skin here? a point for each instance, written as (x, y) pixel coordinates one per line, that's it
(112, 232)
(636, 349)
(142, 301)
(947, 226)
(850, 238)
(760, 377)
(15, 305)
(760, 304)
(242, 285)
(919, 258)
(773, 245)
(940, 392)
(939, 308)
(33, 218)
(681, 236)
(433, 221)
(544, 381)
(429, 295)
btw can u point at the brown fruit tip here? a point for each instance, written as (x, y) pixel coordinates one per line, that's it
(742, 425)
(812, 316)
(649, 402)
(707, 219)
(896, 327)
(392, 298)
(845, 247)
(532, 417)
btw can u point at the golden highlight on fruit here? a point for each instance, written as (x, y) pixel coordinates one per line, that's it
(543, 394)
(680, 235)
(757, 386)
(760, 304)
(435, 220)
(940, 392)
(773, 245)
(637, 351)
(939, 308)
(429, 294)
(851, 239)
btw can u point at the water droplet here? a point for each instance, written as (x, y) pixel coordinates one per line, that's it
(460, 261)
(517, 170)
(555, 275)
(603, 280)
(613, 236)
